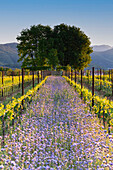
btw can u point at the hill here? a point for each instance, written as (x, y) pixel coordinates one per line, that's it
(9, 55)
(102, 59)
(101, 48)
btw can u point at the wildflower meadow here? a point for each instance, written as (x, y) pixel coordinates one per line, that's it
(57, 132)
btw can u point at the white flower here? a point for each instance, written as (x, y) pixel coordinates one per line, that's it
(1, 166)
(13, 163)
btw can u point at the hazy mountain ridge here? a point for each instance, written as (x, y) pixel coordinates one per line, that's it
(100, 59)
(10, 47)
(9, 55)
(101, 48)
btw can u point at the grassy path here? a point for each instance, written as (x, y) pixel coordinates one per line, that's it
(57, 132)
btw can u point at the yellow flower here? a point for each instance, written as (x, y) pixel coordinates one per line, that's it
(111, 122)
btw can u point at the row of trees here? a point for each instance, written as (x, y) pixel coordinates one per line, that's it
(61, 46)
(10, 72)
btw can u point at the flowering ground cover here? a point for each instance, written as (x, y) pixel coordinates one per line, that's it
(57, 132)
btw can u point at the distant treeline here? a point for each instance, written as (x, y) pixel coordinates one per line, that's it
(16, 72)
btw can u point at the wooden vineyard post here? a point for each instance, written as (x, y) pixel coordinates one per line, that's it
(13, 121)
(75, 79)
(92, 86)
(2, 82)
(100, 80)
(38, 77)
(109, 74)
(75, 76)
(98, 76)
(3, 131)
(83, 73)
(109, 126)
(33, 78)
(19, 79)
(81, 84)
(41, 75)
(63, 73)
(22, 81)
(71, 74)
(22, 84)
(112, 80)
(104, 118)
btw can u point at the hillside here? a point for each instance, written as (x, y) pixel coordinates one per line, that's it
(102, 59)
(9, 55)
(100, 48)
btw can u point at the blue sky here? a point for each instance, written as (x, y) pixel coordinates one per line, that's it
(94, 17)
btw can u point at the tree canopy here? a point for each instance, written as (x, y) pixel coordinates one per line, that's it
(63, 45)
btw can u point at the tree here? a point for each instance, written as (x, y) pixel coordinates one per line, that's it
(72, 45)
(31, 47)
(52, 58)
(1, 68)
(16, 72)
(63, 45)
(9, 72)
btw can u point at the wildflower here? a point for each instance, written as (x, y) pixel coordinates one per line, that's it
(1, 166)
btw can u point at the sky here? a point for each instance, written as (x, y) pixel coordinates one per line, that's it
(93, 17)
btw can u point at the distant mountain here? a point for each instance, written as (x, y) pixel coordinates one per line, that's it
(99, 48)
(9, 55)
(102, 59)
